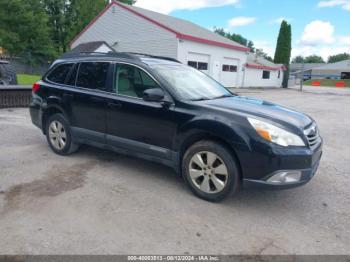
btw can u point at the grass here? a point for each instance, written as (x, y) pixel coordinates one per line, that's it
(327, 82)
(23, 79)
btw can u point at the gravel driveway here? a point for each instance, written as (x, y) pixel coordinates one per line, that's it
(99, 202)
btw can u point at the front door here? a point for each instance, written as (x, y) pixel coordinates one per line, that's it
(135, 124)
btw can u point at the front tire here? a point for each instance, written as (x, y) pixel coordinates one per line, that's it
(210, 171)
(59, 136)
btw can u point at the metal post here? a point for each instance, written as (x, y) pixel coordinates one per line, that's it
(302, 77)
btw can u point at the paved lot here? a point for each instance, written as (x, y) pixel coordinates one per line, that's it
(98, 202)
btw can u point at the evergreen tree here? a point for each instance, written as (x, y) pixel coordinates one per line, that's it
(284, 49)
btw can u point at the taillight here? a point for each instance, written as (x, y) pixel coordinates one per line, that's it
(35, 87)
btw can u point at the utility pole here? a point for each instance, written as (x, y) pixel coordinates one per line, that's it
(302, 77)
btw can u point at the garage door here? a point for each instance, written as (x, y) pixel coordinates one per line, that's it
(199, 61)
(229, 72)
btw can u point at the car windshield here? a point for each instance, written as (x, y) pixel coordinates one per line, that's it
(191, 84)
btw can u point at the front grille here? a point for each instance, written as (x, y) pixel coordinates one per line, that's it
(313, 136)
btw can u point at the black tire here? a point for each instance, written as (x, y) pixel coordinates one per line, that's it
(8, 74)
(69, 145)
(231, 181)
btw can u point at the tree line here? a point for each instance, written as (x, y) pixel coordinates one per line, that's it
(40, 30)
(318, 59)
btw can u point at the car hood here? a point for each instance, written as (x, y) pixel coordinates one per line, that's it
(260, 109)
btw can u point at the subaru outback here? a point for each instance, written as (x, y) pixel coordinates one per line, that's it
(160, 110)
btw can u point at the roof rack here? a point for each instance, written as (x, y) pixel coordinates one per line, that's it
(125, 55)
(155, 56)
(111, 54)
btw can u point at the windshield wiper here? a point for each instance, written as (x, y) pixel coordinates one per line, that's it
(223, 96)
(200, 99)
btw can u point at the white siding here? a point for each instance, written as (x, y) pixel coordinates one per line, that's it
(254, 78)
(126, 31)
(217, 57)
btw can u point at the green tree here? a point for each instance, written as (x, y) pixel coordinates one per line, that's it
(81, 13)
(313, 59)
(129, 2)
(236, 37)
(338, 58)
(298, 60)
(284, 49)
(24, 30)
(58, 22)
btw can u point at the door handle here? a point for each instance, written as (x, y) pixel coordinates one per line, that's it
(114, 105)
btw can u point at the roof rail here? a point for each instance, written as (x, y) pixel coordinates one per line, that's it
(125, 55)
(112, 54)
(155, 56)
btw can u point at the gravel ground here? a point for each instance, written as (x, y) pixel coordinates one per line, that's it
(99, 202)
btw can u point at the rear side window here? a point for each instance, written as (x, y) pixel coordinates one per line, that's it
(60, 73)
(73, 76)
(93, 75)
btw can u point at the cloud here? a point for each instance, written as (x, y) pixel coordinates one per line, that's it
(345, 40)
(167, 6)
(318, 33)
(279, 20)
(265, 46)
(241, 21)
(345, 4)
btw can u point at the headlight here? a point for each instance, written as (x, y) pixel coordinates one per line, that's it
(275, 134)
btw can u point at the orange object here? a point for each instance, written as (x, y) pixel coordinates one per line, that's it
(340, 84)
(316, 83)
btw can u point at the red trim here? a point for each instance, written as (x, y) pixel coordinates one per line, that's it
(263, 67)
(91, 23)
(178, 34)
(211, 42)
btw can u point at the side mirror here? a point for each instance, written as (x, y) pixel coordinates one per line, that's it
(153, 95)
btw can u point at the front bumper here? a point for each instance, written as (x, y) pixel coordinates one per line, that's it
(306, 174)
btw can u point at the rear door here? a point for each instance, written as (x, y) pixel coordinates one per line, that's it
(88, 100)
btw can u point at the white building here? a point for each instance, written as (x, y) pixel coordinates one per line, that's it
(260, 72)
(131, 29)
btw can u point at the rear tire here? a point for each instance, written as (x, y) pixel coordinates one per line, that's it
(210, 171)
(58, 135)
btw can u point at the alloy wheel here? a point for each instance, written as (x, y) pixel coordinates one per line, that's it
(57, 135)
(208, 172)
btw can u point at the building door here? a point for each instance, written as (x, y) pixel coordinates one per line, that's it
(229, 72)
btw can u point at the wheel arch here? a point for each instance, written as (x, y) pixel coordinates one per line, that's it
(49, 111)
(195, 136)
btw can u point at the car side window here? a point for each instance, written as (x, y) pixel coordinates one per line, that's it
(132, 81)
(73, 76)
(60, 73)
(93, 75)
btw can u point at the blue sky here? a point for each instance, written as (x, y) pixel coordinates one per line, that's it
(319, 26)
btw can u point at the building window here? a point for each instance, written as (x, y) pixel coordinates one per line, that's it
(229, 68)
(233, 68)
(202, 66)
(266, 74)
(226, 68)
(193, 64)
(198, 65)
